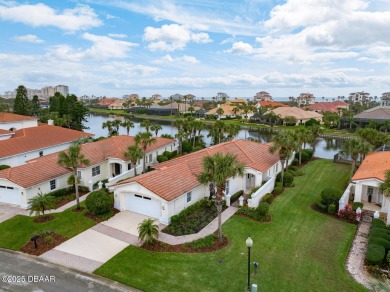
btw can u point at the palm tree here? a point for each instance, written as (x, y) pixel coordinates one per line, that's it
(285, 144)
(217, 169)
(232, 130)
(133, 153)
(191, 109)
(40, 203)
(146, 124)
(364, 148)
(155, 128)
(116, 124)
(127, 124)
(109, 126)
(143, 140)
(235, 110)
(352, 147)
(216, 131)
(180, 136)
(148, 231)
(302, 136)
(316, 131)
(220, 112)
(73, 159)
(198, 126)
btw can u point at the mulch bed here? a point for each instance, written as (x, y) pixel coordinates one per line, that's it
(78, 209)
(43, 219)
(63, 201)
(335, 216)
(159, 246)
(99, 219)
(43, 246)
(269, 219)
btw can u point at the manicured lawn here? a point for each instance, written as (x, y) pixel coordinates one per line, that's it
(16, 231)
(300, 250)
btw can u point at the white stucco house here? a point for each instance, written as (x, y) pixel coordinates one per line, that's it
(21, 183)
(33, 142)
(367, 179)
(173, 185)
(12, 122)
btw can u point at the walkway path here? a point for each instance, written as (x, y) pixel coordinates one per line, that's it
(355, 260)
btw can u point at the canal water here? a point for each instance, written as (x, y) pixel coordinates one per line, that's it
(325, 148)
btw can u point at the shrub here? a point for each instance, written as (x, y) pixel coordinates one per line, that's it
(173, 153)
(278, 191)
(58, 193)
(378, 223)
(311, 122)
(379, 233)
(379, 241)
(330, 196)
(263, 209)
(4, 166)
(254, 190)
(197, 148)
(252, 212)
(309, 152)
(99, 202)
(186, 147)
(375, 254)
(356, 205)
(104, 181)
(332, 209)
(288, 179)
(202, 242)
(235, 196)
(278, 184)
(292, 172)
(348, 214)
(267, 198)
(322, 207)
(293, 168)
(305, 157)
(167, 154)
(162, 158)
(299, 173)
(295, 162)
(86, 189)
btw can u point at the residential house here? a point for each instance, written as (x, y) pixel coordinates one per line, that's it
(221, 96)
(4, 134)
(12, 122)
(270, 104)
(305, 99)
(359, 97)
(33, 142)
(156, 96)
(116, 104)
(367, 181)
(333, 107)
(262, 96)
(301, 115)
(385, 99)
(376, 114)
(173, 185)
(105, 102)
(21, 183)
(229, 111)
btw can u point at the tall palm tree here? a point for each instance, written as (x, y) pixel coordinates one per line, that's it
(316, 131)
(127, 124)
(235, 110)
(41, 203)
(116, 124)
(285, 143)
(217, 169)
(352, 147)
(133, 153)
(143, 140)
(364, 148)
(232, 130)
(220, 112)
(155, 128)
(216, 131)
(146, 124)
(198, 126)
(148, 231)
(109, 126)
(302, 136)
(180, 136)
(73, 159)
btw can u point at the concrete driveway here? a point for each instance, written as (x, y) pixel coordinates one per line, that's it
(8, 211)
(126, 221)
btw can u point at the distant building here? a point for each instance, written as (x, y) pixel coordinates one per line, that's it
(359, 97)
(305, 99)
(63, 89)
(263, 95)
(301, 115)
(221, 96)
(156, 96)
(385, 99)
(333, 107)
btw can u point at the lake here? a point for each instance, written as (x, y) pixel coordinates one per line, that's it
(326, 148)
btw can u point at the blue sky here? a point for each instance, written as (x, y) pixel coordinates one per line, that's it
(118, 47)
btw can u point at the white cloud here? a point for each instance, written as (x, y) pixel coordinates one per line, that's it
(170, 59)
(102, 48)
(81, 17)
(28, 38)
(117, 35)
(240, 48)
(171, 37)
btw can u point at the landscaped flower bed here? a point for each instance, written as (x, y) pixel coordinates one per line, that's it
(193, 219)
(45, 242)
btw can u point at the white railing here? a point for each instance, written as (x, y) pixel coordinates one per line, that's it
(256, 197)
(124, 175)
(345, 197)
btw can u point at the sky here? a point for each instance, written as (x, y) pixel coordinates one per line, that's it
(117, 47)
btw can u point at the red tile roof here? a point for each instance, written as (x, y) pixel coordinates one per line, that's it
(266, 103)
(374, 165)
(34, 138)
(173, 178)
(45, 168)
(4, 132)
(327, 106)
(10, 117)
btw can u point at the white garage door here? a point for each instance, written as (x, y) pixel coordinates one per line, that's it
(10, 195)
(143, 205)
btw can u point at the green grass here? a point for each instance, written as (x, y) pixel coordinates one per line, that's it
(300, 250)
(17, 231)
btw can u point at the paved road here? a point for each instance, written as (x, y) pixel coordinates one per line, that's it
(20, 271)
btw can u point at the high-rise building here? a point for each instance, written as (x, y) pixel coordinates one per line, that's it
(63, 89)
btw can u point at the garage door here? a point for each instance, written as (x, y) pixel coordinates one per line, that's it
(143, 205)
(10, 195)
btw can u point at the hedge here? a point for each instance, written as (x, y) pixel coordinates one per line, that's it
(162, 158)
(235, 196)
(332, 209)
(295, 162)
(288, 179)
(58, 193)
(322, 207)
(378, 223)
(379, 241)
(263, 209)
(330, 196)
(267, 198)
(278, 190)
(4, 166)
(99, 202)
(356, 205)
(375, 254)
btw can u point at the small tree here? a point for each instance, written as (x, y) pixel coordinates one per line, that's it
(41, 203)
(127, 124)
(155, 128)
(148, 231)
(21, 103)
(144, 139)
(133, 153)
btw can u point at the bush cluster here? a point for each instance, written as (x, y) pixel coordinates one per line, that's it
(288, 178)
(166, 156)
(267, 198)
(99, 202)
(330, 196)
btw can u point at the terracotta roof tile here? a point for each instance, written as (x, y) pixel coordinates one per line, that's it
(173, 178)
(374, 166)
(4, 132)
(266, 103)
(296, 112)
(34, 138)
(10, 117)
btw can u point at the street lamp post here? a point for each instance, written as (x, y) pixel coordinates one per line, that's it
(249, 243)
